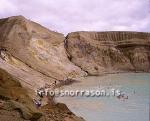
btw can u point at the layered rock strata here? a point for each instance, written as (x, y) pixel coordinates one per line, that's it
(109, 52)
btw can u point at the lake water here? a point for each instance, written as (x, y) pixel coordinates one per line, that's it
(136, 108)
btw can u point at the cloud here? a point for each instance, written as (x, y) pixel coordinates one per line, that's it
(7, 8)
(87, 15)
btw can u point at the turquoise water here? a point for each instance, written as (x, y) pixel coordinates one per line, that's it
(136, 108)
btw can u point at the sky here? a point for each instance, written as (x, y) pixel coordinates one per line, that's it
(82, 15)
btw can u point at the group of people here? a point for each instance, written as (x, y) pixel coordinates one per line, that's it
(41, 93)
(122, 96)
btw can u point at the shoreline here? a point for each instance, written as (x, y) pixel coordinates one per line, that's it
(76, 80)
(118, 72)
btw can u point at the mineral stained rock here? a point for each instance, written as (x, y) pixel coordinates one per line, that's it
(109, 52)
(36, 46)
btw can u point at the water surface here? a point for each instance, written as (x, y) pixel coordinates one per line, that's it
(136, 108)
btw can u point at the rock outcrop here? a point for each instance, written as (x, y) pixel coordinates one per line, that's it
(17, 105)
(109, 52)
(39, 48)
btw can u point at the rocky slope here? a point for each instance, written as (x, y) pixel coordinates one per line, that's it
(17, 105)
(109, 52)
(30, 57)
(37, 47)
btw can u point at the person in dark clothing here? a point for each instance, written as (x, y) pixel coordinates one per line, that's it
(38, 103)
(55, 83)
(41, 92)
(2, 55)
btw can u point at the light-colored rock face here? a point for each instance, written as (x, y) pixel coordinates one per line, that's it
(109, 52)
(42, 56)
(31, 56)
(38, 47)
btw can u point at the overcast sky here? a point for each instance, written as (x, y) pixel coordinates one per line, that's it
(87, 15)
